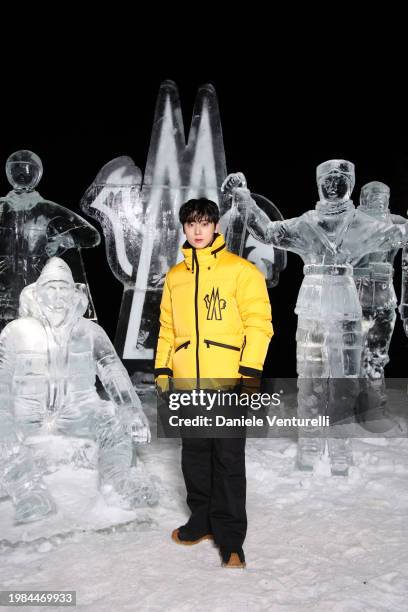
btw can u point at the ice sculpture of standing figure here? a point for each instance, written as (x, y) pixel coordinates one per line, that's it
(373, 276)
(49, 359)
(330, 240)
(32, 230)
(404, 289)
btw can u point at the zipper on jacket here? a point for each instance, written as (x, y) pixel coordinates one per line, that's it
(195, 258)
(242, 350)
(227, 346)
(184, 345)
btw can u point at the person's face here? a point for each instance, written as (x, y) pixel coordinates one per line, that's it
(200, 233)
(56, 296)
(334, 187)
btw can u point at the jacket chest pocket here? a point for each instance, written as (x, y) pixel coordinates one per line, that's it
(182, 346)
(231, 347)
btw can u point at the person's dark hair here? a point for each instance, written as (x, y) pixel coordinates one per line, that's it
(199, 210)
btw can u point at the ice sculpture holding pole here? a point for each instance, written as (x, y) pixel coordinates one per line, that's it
(49, 359)
(330, 239)
(32, 230)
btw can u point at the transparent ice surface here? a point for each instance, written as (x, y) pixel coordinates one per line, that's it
(49, 360)
(32, 230)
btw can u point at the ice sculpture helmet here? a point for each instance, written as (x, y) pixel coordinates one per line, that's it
(375, 196)
(55, 286)
(335, 180)
(24, 170)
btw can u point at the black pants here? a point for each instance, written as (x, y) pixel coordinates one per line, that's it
(214, 473)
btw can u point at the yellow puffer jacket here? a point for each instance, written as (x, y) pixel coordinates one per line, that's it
(215, 319)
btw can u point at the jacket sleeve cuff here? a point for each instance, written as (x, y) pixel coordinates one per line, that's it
(253, 372)
(163, 372)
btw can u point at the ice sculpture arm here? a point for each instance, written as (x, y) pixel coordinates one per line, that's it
(255, 310)
(285, 235)
(404, 290)
(118, 386)
(398, 219)
(67, 230)
(163, 366)
(386, 237)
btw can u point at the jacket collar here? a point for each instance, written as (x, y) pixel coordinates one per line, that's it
(206, 257)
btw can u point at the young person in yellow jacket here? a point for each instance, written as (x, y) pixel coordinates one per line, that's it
(215, 323)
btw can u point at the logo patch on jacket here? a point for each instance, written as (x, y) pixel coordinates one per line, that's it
(214, 305)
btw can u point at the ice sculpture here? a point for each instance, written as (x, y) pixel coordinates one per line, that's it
(404, 289)
(139, 215)
(32, 230)
(49, 359)
(373, 276)
(330, 239)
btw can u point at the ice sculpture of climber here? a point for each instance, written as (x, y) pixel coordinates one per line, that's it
(32, 230)
(373, 276)
(49, 359)
(330, 239)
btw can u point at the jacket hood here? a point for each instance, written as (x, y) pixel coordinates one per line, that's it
(204, 257)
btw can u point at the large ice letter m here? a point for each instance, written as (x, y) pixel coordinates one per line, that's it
(140, 218)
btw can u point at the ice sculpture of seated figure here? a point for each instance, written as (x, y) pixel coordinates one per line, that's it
(330, 239)
(49, 359)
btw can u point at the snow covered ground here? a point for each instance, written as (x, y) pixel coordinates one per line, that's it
(315, 542)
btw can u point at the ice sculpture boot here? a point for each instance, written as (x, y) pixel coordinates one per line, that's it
(130, 492)
(308, 452)
(34, 506)
(23, 483)
(341, 457)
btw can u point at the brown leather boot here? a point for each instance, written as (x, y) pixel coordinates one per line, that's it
(232, 559)
(175, 536)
